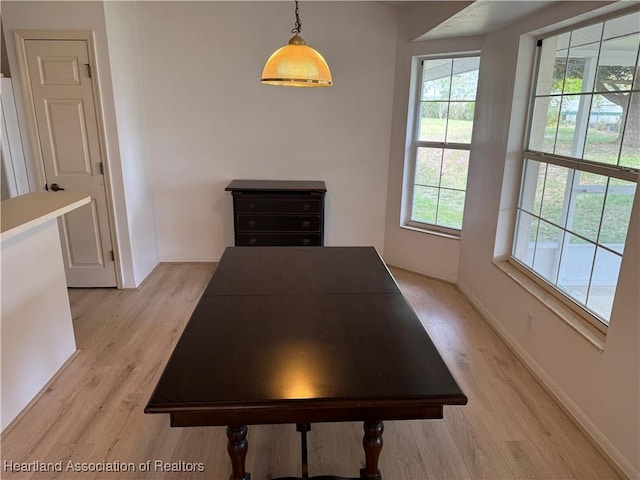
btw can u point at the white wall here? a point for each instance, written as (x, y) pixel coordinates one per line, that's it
(199, 115)
(121, 20)
(185, 114)
(210, 120)
(76, 16)
(600, 388)
(14, 175)
(429, 254)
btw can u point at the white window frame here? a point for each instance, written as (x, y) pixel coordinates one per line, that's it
(414, 144)
(610, 171)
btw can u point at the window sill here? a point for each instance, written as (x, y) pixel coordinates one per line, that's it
(570, 317)
(430, 232)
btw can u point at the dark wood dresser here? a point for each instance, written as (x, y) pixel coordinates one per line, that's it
(278, 212)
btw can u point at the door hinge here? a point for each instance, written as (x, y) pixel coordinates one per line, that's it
(88, 69)
(101, 169)
(113, 257)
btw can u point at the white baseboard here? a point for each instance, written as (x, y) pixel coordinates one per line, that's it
(452, 281)
(602, 443)
(170, 259)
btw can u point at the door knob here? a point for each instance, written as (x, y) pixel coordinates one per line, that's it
(55, 187)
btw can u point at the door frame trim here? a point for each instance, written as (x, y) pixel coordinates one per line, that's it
(20, 38)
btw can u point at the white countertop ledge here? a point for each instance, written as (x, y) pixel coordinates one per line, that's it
(19, 214)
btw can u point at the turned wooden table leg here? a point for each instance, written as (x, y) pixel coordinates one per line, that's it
(372, 443)
(237, 448)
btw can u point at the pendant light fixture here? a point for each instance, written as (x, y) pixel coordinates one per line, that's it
(297, 64)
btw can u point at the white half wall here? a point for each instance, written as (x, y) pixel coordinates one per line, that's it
(36, 327)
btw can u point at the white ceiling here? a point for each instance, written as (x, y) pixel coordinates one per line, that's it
(482, 16)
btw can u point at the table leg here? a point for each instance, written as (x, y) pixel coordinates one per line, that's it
(303, 428)
(372, 443)
(237, 448)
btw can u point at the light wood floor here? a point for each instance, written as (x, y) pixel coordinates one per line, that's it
(93, 412)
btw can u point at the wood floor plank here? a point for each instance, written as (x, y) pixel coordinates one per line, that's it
(281, 444)
(438, 453)
(93, 411)
(506, 403)
(331, 443)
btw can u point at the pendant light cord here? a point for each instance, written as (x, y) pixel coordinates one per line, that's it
(298, 28)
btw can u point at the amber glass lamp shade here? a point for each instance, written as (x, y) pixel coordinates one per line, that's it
(296, 65)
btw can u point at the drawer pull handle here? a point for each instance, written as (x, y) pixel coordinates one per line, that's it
(252, 206)
(306, 241)
(306, 223)
(252, 241)
(251, 223)
(306, 206)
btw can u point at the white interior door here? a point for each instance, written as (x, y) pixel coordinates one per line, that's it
(65, 114)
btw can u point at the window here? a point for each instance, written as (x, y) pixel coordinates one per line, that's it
(440, 149)
(581, 163)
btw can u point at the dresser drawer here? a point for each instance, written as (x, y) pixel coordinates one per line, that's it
(278, 223)
(278, 212)
(277, 205)
(288, 239)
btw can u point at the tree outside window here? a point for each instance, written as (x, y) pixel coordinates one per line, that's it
(582, 162)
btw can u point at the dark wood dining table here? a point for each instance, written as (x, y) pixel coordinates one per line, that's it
(302, 335)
